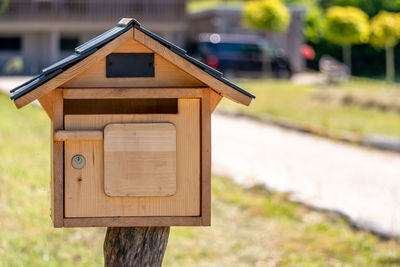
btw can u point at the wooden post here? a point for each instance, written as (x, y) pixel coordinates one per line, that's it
(135, 246)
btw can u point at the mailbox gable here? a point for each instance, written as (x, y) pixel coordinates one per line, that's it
(130, 33)
(109, 71)
(131, 131)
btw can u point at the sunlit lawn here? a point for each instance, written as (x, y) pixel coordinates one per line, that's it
(199, 5)
(251, 227)
(361, 106)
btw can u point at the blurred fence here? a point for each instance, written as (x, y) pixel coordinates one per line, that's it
(90, 9)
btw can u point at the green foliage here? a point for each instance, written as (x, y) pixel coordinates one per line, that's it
(314, 24)
(268, 15)
(385, 29)
(4, 6)
(371, 7)
(347, 26)
(306, 3)
(14, 66)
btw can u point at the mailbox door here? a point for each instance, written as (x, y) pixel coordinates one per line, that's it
(140, 159)
(85, 194)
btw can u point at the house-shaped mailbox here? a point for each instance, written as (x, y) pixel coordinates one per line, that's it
(131, 132)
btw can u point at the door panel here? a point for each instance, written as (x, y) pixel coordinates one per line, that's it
(140, 159)
(84, 188)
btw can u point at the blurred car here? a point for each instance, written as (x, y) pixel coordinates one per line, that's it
(239, 55)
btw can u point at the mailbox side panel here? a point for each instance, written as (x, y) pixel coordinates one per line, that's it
(206, 158)
(57, 162)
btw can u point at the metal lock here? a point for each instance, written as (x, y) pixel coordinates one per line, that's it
(78, 161)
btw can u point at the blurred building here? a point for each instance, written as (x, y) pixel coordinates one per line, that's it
(40, 32)
(228, 20)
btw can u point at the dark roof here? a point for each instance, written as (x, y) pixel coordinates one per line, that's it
(96, 43)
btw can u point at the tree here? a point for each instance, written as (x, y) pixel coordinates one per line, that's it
(346, 26)
(4, 6)
(266, 15)
(371, 7)
(315, 28)
(385, 33)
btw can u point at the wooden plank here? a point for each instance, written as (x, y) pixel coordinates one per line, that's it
(47, 102)
(62, 135)
(84, 189)
(206, 158)
(73, 71)
(57, 163)
(215, 98)
(132, 46)
(139, 159)
(116, 93)
(134, 221)
(166, 73)
(191, 69)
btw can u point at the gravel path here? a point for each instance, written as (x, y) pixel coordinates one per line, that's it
(360, 183)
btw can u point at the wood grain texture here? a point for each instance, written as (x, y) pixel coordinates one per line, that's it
(215, 98)
(191, 69)
(137, 93)
(57, 163)
(132, 46)
(127, 221)
(74, 70)
(139, 159)
(47, 103)
(206, 158)
(62, 135)
(84, 189)
(135, 246)
(166, 73)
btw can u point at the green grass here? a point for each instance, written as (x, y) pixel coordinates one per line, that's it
(251, 227)
(361, 106)
(200, 5)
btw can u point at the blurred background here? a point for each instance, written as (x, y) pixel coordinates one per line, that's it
(308, 175)
(35, 34)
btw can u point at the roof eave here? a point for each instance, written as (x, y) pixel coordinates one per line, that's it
(71, 72)
(99, 47)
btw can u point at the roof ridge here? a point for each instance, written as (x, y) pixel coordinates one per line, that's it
(91, 46)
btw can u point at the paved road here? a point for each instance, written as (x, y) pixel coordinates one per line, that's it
(361, 183)
(8, 83)
(364, 184)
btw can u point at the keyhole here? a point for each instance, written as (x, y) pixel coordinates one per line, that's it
(78, 161)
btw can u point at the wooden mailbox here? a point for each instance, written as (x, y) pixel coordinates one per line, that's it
(131, 132)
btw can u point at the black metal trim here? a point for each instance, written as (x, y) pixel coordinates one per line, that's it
(34, 83)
